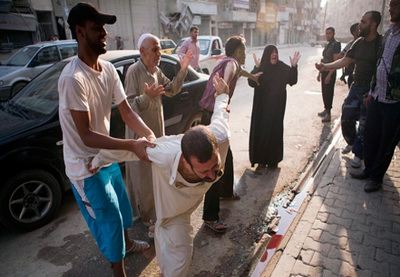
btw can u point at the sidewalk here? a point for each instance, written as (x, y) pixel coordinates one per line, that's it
(343, 230)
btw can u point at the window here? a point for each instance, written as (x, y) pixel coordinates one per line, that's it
(68, 50)
(47, 55)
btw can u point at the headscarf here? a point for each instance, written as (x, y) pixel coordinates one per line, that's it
(265, 63)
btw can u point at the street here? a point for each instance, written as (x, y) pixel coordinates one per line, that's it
(65, 247)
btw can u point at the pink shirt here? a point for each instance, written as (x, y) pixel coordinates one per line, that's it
(193, 46)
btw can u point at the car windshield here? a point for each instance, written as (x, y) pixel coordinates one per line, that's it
(39, 98)
(204, 45)
(22, 57)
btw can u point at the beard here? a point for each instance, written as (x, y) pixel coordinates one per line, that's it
(97, 47)
(365, 32)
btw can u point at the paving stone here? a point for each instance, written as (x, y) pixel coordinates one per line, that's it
(347, 269)
(351, 206)
(331, 210)
(319, 225)
(323, 217)
(327, 237)
(284, 266)
(364, 273)
(385, 224)
(348, 214)
(343, 255)
(328, 273)
(329, 201)
(306, 256)
(306, 270)
(384, 234)
(376, 267)
(396, 228)
(396, 248)
(311, 244)
(394, 269)
(319, 260)
(382, 256)
(384, 244)
(364, 251)
(315, 234)
(344, 222)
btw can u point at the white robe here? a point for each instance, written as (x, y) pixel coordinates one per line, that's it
(175, 198)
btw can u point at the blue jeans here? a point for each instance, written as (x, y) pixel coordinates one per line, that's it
(353, 109)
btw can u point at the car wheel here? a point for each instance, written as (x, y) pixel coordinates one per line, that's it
(29, 200)
(16, 88)
(193, 121)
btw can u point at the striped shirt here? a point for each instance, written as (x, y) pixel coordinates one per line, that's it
(384, 66)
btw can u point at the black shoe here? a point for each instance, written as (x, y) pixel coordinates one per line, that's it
(358, 174)
(326, 118)
(322, 114)
(273, 166)
(372, 186)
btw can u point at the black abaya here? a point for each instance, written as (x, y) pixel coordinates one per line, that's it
(269, 104)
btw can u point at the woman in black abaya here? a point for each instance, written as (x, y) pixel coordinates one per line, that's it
(266, 131)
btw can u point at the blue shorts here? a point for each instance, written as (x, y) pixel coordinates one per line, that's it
(105, 205)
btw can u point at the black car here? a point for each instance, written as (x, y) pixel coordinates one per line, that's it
(31, 156)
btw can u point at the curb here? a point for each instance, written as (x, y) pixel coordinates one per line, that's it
(314, 172)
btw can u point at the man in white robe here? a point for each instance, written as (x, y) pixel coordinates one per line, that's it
(184, 167)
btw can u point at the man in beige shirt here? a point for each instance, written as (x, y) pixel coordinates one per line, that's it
(145, 84)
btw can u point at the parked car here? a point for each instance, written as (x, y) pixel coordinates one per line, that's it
(211, 51)
(31, 60)
(31, 156)
(167, 45)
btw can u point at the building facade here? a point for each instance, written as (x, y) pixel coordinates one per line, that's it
(261, 22)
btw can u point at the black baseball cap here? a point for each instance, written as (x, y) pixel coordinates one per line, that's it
(86, 11)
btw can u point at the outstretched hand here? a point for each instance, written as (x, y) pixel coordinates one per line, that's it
(295, 59)
(185, 61)
(154, 90)
(256, 60)
(220, 85)
(256, 76)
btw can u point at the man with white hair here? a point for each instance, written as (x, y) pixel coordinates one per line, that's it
(145, 84)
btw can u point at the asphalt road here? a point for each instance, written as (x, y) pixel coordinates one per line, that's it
(65, 247)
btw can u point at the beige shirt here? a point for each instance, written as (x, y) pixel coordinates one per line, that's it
(149, 109)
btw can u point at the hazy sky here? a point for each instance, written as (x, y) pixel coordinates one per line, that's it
(323, 3)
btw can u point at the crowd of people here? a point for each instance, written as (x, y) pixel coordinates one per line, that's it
(167, 177)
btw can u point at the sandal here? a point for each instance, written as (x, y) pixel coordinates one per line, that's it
(217, 226)
(234, 196)
(138, 246)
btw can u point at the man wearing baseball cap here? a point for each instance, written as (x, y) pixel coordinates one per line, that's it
(87, 88)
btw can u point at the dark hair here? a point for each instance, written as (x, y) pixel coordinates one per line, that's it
(198, 142)
(330, 28)
(233, 43)
(353, 28)
(194, 28)
(375, 17)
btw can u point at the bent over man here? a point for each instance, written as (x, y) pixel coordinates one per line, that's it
(184, 168)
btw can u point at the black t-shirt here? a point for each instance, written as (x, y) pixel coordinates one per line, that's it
(331, 48)
(365, 55)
